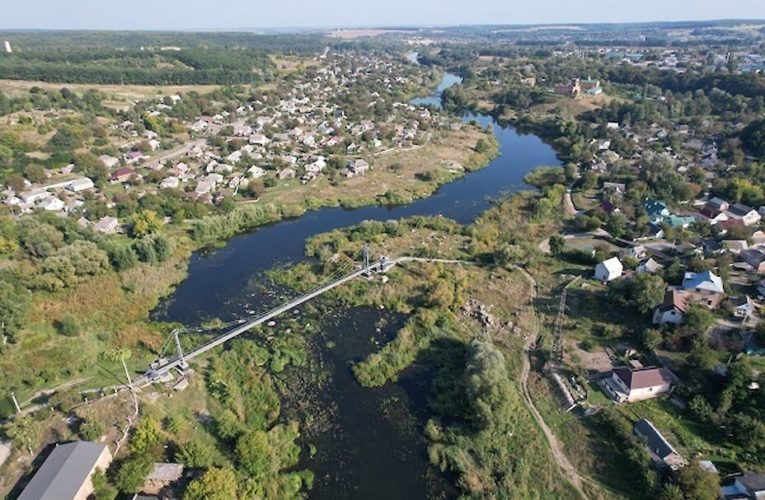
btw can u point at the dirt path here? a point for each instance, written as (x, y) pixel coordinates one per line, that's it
(568, 205)
(566, 468)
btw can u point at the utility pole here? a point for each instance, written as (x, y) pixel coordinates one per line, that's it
(15, 403)
(183, 363)
(366, 258)
(127, 372)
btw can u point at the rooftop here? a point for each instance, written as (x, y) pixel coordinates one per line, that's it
(64, 471)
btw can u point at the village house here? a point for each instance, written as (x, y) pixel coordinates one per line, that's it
(357, 167)
(636, 252)
(133, 156)
(162, 479)
(109, 161)
(705, 288)
(672, 310)
(748, 486)
(755, 258)
(742, 307)
(662, 452)
(171, 182)
(747, 215)
(34, 195)
(67, 472)
(51, 204)
(608, 270)
(286, 173)
(627, 385)
(650, 266)
(80, 184)
(713, 215)
(121, 175)
(106, 225)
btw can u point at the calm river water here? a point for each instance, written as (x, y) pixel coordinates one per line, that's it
(374, 448)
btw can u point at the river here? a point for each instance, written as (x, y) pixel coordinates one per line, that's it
(374, 448)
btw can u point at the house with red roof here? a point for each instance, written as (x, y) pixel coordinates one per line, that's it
(627, 385)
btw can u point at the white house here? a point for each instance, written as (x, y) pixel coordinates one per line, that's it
(672, 310)
(80, 184)
(650, 266)
(626, 385)
(106, 225)
(747, 215)
(171, 182)
(34, 195)
(52, 204)
(609, 270)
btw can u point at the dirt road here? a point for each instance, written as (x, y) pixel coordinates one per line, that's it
(566, 468)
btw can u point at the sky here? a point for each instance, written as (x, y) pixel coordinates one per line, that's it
(253, 14)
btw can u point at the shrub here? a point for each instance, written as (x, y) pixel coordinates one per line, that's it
(91, 430)
(68, 326)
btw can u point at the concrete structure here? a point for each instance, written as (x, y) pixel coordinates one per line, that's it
(661, 451)
(609, 270)
(8, 48)
(626, 385)
(66, 473)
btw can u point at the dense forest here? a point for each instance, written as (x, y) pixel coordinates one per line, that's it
(144, 67)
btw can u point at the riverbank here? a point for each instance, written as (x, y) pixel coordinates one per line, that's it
(452, 311)
(214, 278)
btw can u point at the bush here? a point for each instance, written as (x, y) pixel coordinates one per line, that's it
(91, 430)
(133, 472)
(122, 258)
(68, 326)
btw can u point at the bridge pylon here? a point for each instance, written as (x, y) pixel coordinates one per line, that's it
(183, 364)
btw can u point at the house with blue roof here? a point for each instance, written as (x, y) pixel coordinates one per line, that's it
(656, 210)
(705, 288)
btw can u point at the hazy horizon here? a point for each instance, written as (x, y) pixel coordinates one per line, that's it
(233, 15)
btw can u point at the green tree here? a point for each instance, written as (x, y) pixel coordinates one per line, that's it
(122, 257)
(198, 453)
(215, 484)
(144, 223)
(86, 257)
(91, 430)
(133, 472)
(102, 489)
(35, 173)
(481, 146)
(254, 453)
(652, 338)
(147, 433)
(14, 303)
(698, 483)
(40, 239)
(68, 326)
(649, 291)
(557, 244)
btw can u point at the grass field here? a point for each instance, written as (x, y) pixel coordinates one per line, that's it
(119, 96)
(398, 173)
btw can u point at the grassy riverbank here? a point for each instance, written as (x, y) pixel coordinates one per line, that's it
(469, 322)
